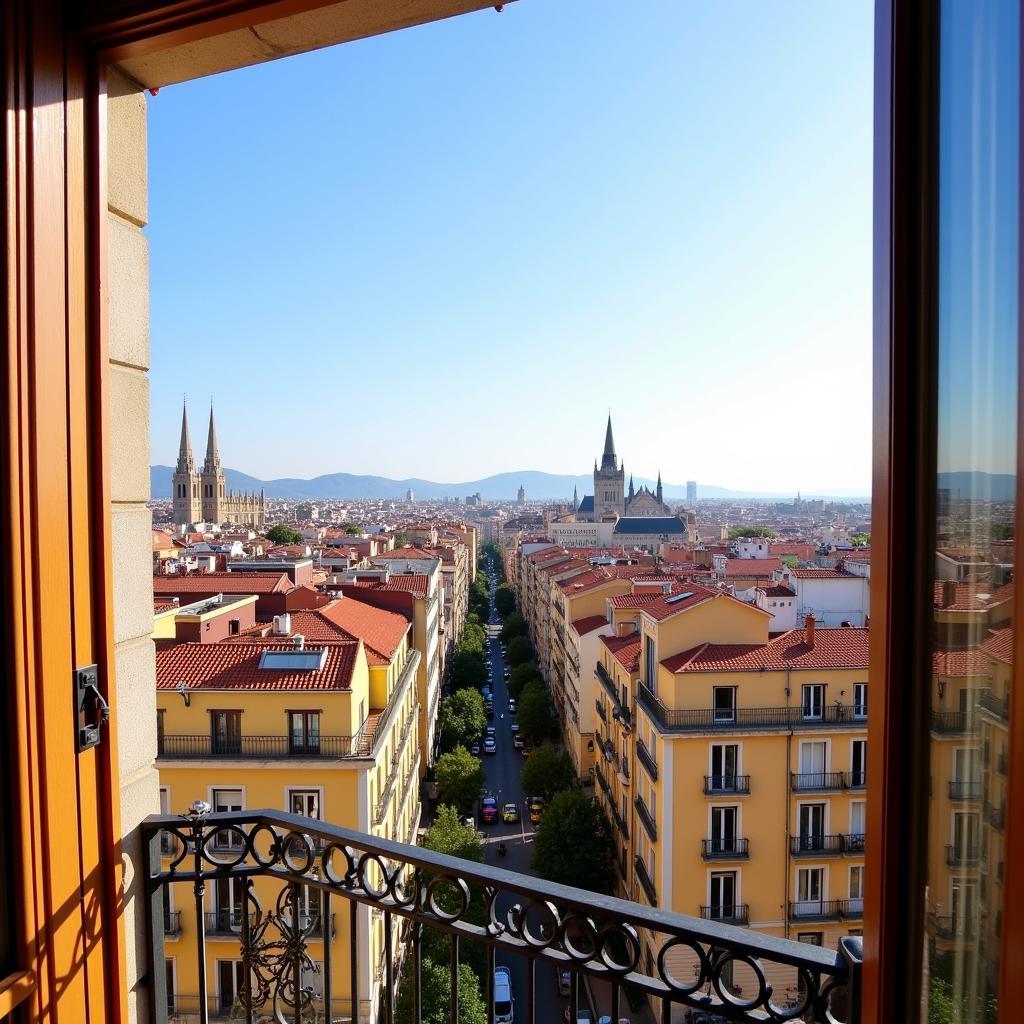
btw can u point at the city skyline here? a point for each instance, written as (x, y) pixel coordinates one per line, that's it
(434, 232)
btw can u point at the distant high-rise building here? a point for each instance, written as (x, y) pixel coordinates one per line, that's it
(521, 496)
(202, 495)
(691, 490)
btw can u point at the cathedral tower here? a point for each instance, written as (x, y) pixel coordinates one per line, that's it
(212, 477)
(185, 481)
(609, 482)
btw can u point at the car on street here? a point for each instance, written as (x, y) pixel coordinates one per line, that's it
(490, 747)
(475, 749)
(510, 813)
(489, 810)
(491, 732)
(488, 711)
(517, 742)
(512, 705)
(506, 673)
(536, 805)
(504, 1010)
(486, 691)
(525, 749)
(514, 726)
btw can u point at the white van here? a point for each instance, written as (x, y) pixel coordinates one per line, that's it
(504, 1009)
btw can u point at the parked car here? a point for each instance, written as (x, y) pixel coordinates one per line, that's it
(489, 810)
(504, 1008)
(525, 749)
(475, 749)
(536, 805)
(510, 813)
(517, 741)
(488, 711)
(491, 732)
(512, 705)
(514, 727)
(506, 673)
(490, 747)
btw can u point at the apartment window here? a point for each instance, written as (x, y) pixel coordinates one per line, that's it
(170, 972)
(227, 800)
(304, 732)
(857, 882)
(963, 905)
(858, 762)
(965, 764)
(226, 732)
(811, 938)
(860, 700)
(812, 826)
(725, 704)
(725, 763)
(227, 904)
(305, 802)
(234, 627)
(814, 700)
(813, 757)
(723, 894)
(723, 829)
(858, 818)
(230, 982)
(160, 730)
(810, 889)
(650, 669)
(965, 834)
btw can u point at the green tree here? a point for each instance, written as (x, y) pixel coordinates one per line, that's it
(282, 534)
(504, 600)
(449, 836)
(400, 539)
(574, 844)
(468, 669)
(752, 531)
(861, 540)
(515, 625)
(536, 722)
(547, 773)
(355, 530)
(436, 994)
(520, 676)
(459, 777)
(518, 650)
(998, 531)
(462, 718)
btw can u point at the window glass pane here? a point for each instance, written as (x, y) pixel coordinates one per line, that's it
(979, 113)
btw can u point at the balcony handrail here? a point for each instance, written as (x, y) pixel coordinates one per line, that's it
(646, 818)
(965, 789)
(640, 867)
(716, 912)
(610, 688)
(811, 781)
(739, 719)
(401, 881)
(816, 843)
(188, 746)
(949, 722)
(998, 706)
(725, 848)
(726, 784)
(646, 758)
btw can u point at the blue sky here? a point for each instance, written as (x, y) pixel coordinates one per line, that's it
(447, 251)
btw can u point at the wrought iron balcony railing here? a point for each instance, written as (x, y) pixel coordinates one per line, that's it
(815, 910)
(745, 719)
(732, 913)
(995, 816)
(646, 818)
(526, 919)
(856, 780)
(952, 928)
(172, 923)
(817, 782)
(599, 707)
(964, 792)
(206, 748)
(645, 880)
(852, 909)
(729, 785)
(950, 722)
(998, 706)
(644, 756)
(620, 712)
(963, 855)
(815, 845)
(731, 848)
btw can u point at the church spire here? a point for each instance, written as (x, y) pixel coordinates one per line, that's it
(212, 464)
(658, 495)
(575, 499)
(185, 464)
(632, 492)
(608, 459)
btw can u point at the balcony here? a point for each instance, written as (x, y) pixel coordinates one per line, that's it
(995, 816)
(856, 780)
(815, 910)
(726, 785)
(640, 867)
(814, 845)
(953, 929)
(964, 792)
(853, 844)
(1001, 762)
(851, 910)
(172, 924)
(725, 849)
(646, 819)
(817, 782)
(644, 756)
(620, 712)
(735, 913)
(950, 723)
(963, 855)
(352, 870)
(257, 748)
(703, 720)
(997, 706)
(599, 707)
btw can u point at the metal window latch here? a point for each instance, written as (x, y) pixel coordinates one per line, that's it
(93, 712)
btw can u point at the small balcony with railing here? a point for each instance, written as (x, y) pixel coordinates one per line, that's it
(646, 758)
(961, 791)
(646, 818)
(963, 855)
(725, 848)
(815, 910)
(997, 707)
(726, 785)
(817, 782)
(279, 860)
(619, 711)
(995, 815)
(950, 723)
(815, 844)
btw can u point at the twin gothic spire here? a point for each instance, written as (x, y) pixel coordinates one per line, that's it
(186, 463)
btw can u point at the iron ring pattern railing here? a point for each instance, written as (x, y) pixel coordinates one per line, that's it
(568, 928)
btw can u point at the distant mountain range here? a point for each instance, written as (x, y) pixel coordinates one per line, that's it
(986, 486)
(502, 486)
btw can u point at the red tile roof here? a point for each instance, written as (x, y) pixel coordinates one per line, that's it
(824, 574)
(960, 664)
(999, 645)
(972, 597)
(223, 583)
(588, 624)
(164, 606)
(625, 650)
(833, 648)
(380, 630)
(236, 667)
(777, 590)
(411, 582)
(752, 567)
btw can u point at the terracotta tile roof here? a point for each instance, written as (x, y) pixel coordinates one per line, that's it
(752, 567)
(971, 597)
(999, 645)
(625, 650)
(588, 624)
(824, 574)
(778, 590)
(960, 664)
(236, 667)
(163, 606)
(410, 582)
(833, 648)
(380, 630)
(223, 583)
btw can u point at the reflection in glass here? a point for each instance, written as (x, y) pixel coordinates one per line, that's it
(976, 516)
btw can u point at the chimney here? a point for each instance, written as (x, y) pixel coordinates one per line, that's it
(809, 630)
(299, 642)
(948, 593)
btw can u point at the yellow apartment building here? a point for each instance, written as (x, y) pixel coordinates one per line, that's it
(732, 765)
(323, 727)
